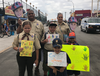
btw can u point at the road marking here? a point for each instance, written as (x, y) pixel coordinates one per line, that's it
(5, 49)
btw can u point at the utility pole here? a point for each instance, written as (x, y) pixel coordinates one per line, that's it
(3, 7)
(91, 8)
(97, 7)
(65, 15)
(14, 1)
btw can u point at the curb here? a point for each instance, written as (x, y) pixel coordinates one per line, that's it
(5, 49)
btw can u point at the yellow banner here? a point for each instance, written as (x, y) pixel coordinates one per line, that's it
(79, 56)
(27, 48)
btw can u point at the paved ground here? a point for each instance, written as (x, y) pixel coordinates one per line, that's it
(8, 65)
(6, 42)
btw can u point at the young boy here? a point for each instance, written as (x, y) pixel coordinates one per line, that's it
(73, 23)
(47, 47)
(17, 8)
(72, 41)
(54, 70)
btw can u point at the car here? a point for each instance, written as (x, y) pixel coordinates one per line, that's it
(90, 24)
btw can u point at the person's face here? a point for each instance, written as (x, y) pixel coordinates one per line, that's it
(73, 26)
(60, 18)
(31, 15)
(27, 28)
(52, 29)
(71, 40)
(57, 50)
(19, 12)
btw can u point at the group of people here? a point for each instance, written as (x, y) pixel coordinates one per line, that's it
(33, 30)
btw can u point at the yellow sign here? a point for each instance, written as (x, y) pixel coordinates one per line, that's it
(79, 56)
(27, 48)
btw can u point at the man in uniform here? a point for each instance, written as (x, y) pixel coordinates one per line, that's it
(62, 27)
(37, 28)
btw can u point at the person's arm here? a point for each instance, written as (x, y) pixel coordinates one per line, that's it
(43, 40)
(19, 29)
(37, 47)
(15, 45)
(19, 49)
(54, 69)
(68, 29)
(62, 69)
(42, 26)
(37, 57)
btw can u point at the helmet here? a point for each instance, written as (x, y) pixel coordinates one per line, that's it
(16, 5)
(72, 19)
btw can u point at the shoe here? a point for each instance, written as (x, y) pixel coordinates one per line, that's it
(37, 73)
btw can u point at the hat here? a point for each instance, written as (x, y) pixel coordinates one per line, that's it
(72, 35)
(57, 43)
(72, 20)
(53, 24)
(16, 5)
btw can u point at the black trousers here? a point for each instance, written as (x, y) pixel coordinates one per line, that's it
(24, 62)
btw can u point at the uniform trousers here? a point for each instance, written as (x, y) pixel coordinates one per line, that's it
(26, 62)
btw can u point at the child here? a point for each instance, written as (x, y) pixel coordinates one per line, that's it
(47, 47)
(58, 71)
(72, 41)
(24, 61)
(73, 23)
(17, 8)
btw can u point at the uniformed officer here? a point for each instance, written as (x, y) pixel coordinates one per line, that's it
(62, 27)
(47, 46)
(24, 61)
(37, 28)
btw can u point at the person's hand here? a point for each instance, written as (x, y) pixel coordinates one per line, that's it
(19, 22)
(55, 71)
(62, 69)
(20, 49)
(36, 62)
(67, 64)
(46, 40)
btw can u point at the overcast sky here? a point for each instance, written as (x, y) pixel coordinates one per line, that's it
(52, 7)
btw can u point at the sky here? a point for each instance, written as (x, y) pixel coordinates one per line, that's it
(52, 7)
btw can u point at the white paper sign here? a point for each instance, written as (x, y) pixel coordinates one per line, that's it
(57, 59)
(51, 37)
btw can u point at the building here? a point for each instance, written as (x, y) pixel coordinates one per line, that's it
(95, 13)
(79, 14)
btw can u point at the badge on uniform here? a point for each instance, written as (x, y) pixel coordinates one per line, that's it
(37, 24)
(32, 35)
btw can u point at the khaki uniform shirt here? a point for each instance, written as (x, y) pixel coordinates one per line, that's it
(62, 29)
(37, 28)
(48, 46)
(32, 37)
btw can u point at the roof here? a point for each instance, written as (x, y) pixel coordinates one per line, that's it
(82, 11)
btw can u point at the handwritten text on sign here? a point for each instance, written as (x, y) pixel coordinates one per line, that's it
(57, 59)
(51, 37)
(27, 48)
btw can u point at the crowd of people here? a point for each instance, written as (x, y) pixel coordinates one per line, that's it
(33, 30)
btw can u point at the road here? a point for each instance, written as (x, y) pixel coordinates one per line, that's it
(9, 67)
